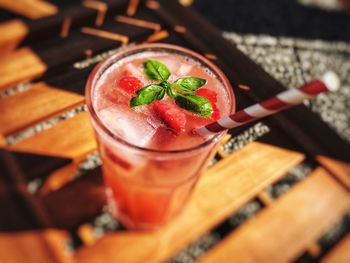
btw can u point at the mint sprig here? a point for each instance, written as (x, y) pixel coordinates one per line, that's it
(181, 90)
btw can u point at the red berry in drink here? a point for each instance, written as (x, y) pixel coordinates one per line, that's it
(130, 84)
(207, 93)
(216, 113)
(173, 117)
(116, 159)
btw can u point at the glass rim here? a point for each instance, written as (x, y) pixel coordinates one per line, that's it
(94, 76)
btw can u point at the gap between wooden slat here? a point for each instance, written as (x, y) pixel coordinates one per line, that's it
(340, 253)
(33, 9)
(38, 103)
(12, 32)
(222, 190)
(285, 229)
(20, 66)
(72, 138)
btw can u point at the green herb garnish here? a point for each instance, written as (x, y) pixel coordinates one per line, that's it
(155, 70)
(190, 84)
(181, 90)
(147, 94)
(194, 103)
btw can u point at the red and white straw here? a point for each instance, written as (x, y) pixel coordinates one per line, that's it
(282, 101)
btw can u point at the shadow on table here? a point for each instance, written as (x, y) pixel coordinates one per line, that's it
(276, 18)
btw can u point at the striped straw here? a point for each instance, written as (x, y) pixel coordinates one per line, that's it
(328, 82)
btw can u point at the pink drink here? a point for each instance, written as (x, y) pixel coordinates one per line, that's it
(151, 159)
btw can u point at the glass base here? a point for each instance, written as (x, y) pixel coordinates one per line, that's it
(125, 220)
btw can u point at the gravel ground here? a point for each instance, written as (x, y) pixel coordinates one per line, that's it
(296, 61)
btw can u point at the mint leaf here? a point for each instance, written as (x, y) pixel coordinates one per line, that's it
(155, 70)
(190, 83)
(147, 94)
(196, 104)
(169, 89)
(161, 94)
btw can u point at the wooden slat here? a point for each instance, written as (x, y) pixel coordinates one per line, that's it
(157, 36)
(2, 141)
(132, 8)
(339, 254)
(40, 102)
(221, 191)
(12, 32)
(108, 36)
(71, 138)
(34, 247)
(283, 231)
(314, 249)
(86, 234)
(33, 9)
(339, 169)
(138, 22)
(48, 27)
(105, 34)
(20, 66)
(59, 178)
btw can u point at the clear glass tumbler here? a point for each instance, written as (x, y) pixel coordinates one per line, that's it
(147, 195)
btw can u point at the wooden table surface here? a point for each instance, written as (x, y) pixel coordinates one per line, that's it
(52, 197)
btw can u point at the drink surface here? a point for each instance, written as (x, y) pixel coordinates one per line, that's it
(161, 125)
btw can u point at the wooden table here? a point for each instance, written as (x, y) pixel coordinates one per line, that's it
(43, 203)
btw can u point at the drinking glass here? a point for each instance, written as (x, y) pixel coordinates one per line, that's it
(147, 187)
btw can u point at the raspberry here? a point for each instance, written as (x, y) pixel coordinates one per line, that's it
(130, 84)
(171, 115)
(216, 114)
(206, 93)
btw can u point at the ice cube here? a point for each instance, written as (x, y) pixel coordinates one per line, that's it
(128, 124)
(177, 68)
(151, 118)
(135, 71)
(112, 95)
(183, 70)
(172, 64)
